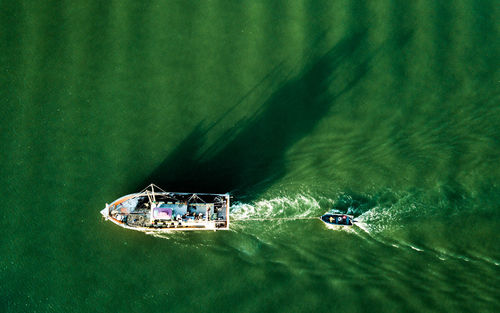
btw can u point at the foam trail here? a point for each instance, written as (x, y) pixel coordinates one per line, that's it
(299, 206)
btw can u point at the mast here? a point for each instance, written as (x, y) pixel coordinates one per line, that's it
(153, 192)
(152, 204)
(228, 197)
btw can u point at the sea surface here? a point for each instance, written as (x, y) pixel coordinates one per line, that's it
(388, 110)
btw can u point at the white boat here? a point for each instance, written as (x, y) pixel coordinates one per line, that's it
(154, 209)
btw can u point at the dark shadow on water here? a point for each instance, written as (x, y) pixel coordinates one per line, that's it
(248, 158)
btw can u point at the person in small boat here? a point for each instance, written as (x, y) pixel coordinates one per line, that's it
(331, 219)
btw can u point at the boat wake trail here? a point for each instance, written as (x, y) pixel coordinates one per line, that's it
(377, 212)
(370, 213)
(300, 206)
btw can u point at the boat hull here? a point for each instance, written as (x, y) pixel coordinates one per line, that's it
(337, 221)
(159, 211)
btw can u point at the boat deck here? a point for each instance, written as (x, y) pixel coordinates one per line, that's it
(170, 211)
(337, 219)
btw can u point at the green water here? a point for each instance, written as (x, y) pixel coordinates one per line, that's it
(386, 109)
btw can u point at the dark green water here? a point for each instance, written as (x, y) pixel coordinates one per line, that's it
(388, 109)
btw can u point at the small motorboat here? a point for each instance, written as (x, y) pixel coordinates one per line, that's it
(333, 219)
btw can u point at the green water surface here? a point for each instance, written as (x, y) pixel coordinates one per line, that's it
(389, 110)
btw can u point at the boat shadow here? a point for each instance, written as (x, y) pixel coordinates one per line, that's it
(248, 158)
